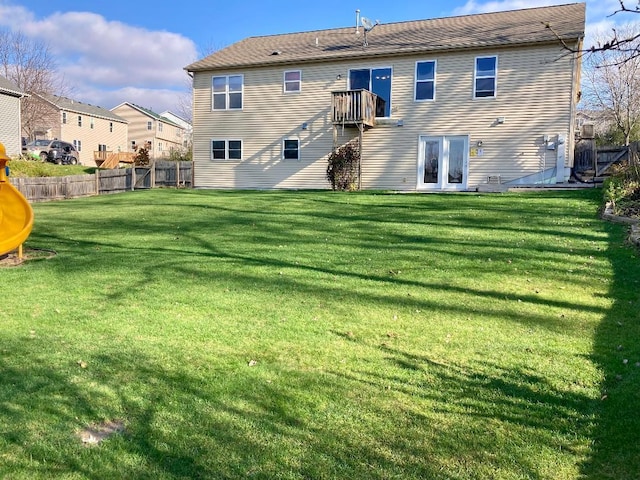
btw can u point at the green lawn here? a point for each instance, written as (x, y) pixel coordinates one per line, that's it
(313, 335)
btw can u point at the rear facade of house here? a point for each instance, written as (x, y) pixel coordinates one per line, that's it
(461, 103)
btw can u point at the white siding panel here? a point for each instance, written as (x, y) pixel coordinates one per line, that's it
(10, 124)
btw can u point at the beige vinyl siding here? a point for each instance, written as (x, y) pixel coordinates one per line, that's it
(533, 94)
(534, 90)
(10, 124)
(268, 116)
(100, 134)
(170, 136)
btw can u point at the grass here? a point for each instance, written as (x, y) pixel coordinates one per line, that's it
(323, 335)
(36, 168)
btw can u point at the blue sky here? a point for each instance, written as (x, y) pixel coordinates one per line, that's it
(115, 51)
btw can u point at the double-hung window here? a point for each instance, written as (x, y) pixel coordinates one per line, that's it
(376, 80)
(79, 120)
(425, 81)
(227, 92)
(292, 81)
(64, 117)
(486, 76)
(149, 125)
(226, 149)
(291, 149)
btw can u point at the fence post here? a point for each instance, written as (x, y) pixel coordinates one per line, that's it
(133, 177)
(153, 174)
(177, 174)
(97, 174)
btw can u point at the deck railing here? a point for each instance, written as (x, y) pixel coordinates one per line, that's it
(352, 107)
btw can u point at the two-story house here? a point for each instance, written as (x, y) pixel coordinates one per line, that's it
(187, 128)
(10, 96)
(443, 104)
(148, 129)
(91, 129)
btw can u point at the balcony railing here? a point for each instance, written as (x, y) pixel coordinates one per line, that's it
(353, 107)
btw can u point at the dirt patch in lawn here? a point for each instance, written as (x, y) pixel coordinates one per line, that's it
(28, 254)
(96, 434)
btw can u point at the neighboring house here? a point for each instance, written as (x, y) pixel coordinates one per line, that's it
(149, 129)
(10, 96)
(187, 131)
(461, 102)
(93, 130)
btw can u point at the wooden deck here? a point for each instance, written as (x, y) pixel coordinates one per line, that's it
(353, 108)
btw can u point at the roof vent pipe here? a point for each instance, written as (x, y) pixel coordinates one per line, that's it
(357, 21)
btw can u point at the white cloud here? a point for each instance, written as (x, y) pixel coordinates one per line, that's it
(600, 13)
(109, 62)
(473, 6)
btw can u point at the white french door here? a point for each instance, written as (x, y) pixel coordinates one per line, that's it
(443, 162)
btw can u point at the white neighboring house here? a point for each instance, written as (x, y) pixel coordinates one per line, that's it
(188, 128)
(10, 96)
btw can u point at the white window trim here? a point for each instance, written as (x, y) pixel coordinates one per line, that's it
(64, 118)
(376, 68)
(226, 148)
(297, 159)
(285, 82)
(476, 77)
(415, 81)
(227, 93)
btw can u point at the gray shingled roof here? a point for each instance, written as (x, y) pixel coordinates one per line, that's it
(517, 27)
(70, 105)
(7, 86)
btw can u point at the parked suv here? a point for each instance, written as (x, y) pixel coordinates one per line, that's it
(55, 151)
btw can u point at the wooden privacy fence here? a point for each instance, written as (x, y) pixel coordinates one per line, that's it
(103, 182)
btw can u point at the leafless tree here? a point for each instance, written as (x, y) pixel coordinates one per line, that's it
(31, 66)
(612, 86)
(626, 44)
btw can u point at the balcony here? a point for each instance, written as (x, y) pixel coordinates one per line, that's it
(354, 107)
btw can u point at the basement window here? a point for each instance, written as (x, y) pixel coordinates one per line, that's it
(291, 149)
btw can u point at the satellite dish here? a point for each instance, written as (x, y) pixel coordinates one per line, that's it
(367, 24)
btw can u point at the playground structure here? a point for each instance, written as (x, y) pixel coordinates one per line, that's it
(16, 214)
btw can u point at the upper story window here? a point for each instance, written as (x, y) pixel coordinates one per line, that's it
(79, 120)
(292, 81)
(226, 149)
(160, 124)
(227, 92)
(64, 117)
(111, 127)
(425, 81)
(486, 74)
(149, 125)
(376, 80)
(291, 149)
(91, 123)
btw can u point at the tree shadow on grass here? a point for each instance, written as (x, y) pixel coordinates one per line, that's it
(616, 351)
(412, 418)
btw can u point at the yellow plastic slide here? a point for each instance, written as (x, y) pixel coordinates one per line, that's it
(16, 215)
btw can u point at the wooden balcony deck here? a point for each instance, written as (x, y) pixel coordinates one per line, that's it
(354, 107)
